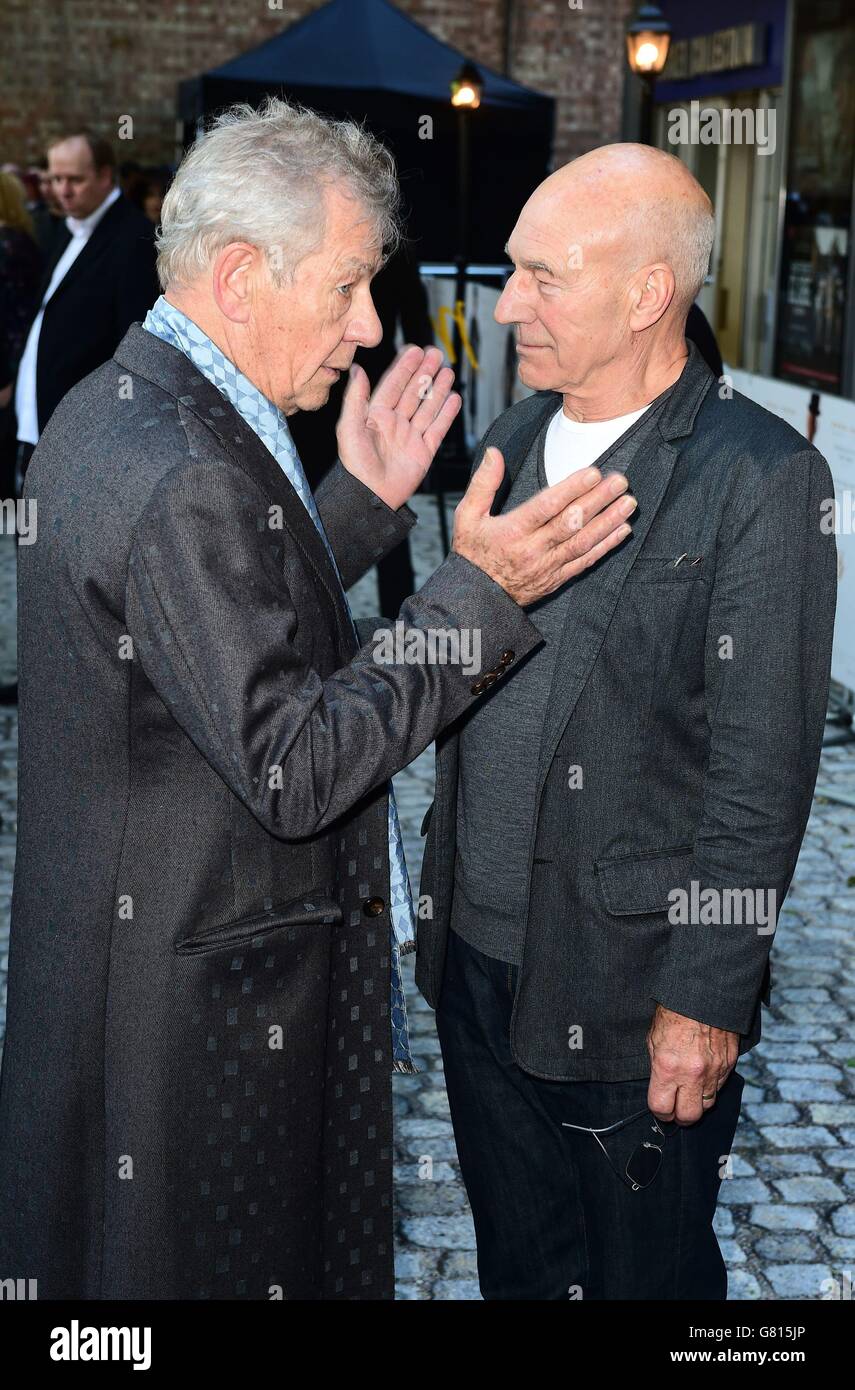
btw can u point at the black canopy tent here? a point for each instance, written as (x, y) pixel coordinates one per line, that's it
(367, 60)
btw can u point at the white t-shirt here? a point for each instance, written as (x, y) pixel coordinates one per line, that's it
(571, 444)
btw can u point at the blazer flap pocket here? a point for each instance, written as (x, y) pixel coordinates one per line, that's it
(311, 909)
(639, 883)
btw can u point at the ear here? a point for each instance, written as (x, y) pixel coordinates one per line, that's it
(234, 271)
(652, 292)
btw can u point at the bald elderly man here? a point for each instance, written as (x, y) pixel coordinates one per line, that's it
(615, 829)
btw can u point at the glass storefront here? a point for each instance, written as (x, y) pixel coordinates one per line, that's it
(814, 300)
(780, 293)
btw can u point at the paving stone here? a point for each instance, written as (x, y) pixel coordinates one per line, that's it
(737, 1191)
(440, 1232)
(775, 1217)
(459, 1264)
(412, 1264)
(797, 1280)
(840, 1158)
(809, 1190)
(778, 1249)
(769, 1164)
(426, 1198)
(732, 1252)
(723, 1221)
(840, 1247)
(742, 1286)
(808, 1091)
(843, 1220)
(772, 1114)
(832, 1114)
(405, 1293)
(448, 1289)
(801, 1137)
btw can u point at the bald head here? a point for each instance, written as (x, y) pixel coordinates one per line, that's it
(641, 204)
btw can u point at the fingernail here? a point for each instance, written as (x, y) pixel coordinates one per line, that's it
(627, 505)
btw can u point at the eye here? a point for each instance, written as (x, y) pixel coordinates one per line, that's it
(345, 289)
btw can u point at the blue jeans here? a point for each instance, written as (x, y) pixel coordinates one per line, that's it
(552, 1218)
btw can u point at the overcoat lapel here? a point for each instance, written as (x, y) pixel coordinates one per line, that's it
(164, 365)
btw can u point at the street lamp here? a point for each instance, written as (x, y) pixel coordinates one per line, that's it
(467, 87)
(648, 38)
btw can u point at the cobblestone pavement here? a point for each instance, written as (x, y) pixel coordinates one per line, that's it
(786, 1216)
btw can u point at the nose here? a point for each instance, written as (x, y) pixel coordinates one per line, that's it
(512, 307)
(365, 326)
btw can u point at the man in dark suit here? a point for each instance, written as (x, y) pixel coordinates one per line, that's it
(100, 279)
(210, 897)
(614, 830)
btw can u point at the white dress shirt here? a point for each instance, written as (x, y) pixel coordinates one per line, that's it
(26, 407)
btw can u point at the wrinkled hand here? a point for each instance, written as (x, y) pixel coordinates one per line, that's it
(690, 1063)
(388, 441)
(536, 547)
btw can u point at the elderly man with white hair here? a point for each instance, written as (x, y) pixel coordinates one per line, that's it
(605, 892)
(210, 896)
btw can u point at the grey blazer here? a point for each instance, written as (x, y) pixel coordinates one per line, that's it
(690, 689)
(195, 1097)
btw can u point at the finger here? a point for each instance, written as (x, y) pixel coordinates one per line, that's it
(396, 378)
(689, 1105)
(478, 497)
(570, 568)
(434, 436)
(661, 1097)
(355, 399)
(550, 501)
(433, 399)
(596, 504)
(576, 544)
(421, 385)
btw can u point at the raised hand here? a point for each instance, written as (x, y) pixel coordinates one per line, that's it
(388, 440)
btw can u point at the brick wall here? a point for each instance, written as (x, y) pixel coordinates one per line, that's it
(91, 61)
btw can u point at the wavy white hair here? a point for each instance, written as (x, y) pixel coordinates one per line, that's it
(258, 176)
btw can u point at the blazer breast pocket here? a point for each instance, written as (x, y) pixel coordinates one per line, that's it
(680, 568)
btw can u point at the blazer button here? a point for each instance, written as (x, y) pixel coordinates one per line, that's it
(478, 687)
(506, 658)
(488, 680)
(372, 907)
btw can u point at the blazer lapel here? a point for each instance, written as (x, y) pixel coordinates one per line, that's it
(93, 247)
(648, 458)
(517, 447)
(141, 352)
